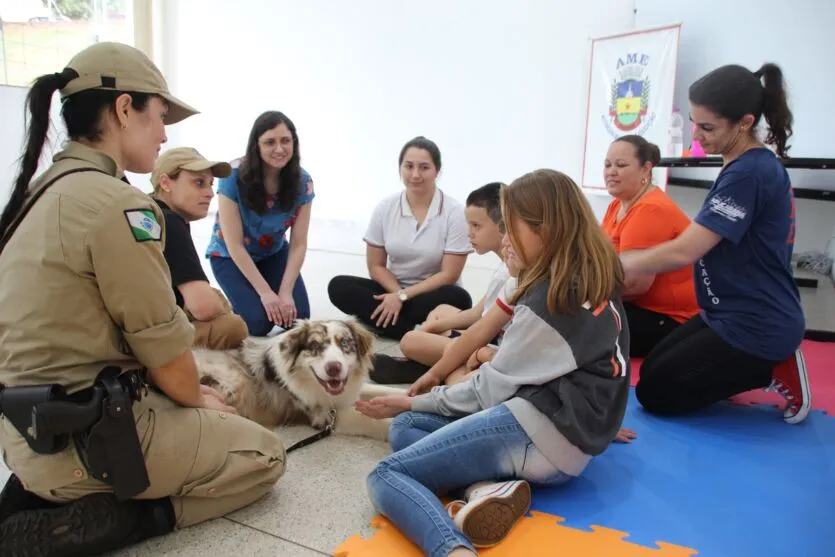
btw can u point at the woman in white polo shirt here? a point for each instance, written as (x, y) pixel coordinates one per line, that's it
(416, 247)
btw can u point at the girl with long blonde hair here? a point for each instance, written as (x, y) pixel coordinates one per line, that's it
(551, 399)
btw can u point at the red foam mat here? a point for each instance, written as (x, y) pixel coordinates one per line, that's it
(820, 364)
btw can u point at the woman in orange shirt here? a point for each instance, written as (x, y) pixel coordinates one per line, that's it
(642, 216)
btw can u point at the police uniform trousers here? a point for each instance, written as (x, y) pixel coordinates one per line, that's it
(210, 463)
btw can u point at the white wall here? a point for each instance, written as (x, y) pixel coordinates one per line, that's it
(804, 50)
(795, 35)
(500, 86)
(12, 138)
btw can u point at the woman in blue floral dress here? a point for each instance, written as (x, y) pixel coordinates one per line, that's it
(268, 193)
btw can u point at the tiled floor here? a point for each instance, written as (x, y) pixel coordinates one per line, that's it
(321, 499)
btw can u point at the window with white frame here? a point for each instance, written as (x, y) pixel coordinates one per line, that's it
(40, 36)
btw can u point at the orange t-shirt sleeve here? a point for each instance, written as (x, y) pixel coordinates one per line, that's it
(646, 226)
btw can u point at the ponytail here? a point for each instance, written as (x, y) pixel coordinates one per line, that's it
(39, 102)
(733, 91)
(776, 108)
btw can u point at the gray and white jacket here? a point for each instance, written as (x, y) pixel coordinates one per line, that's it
(565, 378)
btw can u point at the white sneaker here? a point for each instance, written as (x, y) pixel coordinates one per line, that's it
(491, 511)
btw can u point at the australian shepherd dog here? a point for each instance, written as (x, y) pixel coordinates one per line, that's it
(312, 374)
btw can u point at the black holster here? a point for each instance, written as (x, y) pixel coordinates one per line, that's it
(99, 421)
(110, 449)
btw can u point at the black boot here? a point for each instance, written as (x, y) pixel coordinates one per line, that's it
(91, 525)
(15, 498)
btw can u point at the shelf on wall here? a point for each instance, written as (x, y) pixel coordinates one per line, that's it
(716, 162)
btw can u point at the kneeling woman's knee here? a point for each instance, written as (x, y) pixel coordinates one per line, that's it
(258, 325)
(337, 286)
(460, 298)
(651, 396)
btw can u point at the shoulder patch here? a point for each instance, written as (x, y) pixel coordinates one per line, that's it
(143, 225)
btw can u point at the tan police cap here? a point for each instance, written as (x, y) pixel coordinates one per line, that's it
(187, 158)
(120, 67)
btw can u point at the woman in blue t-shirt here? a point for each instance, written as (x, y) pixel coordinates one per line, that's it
(267, 193)
(751, 323)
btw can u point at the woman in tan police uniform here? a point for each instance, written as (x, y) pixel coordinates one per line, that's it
(84, 288)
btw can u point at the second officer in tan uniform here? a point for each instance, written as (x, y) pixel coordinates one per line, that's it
(182, 181)
(87, 316)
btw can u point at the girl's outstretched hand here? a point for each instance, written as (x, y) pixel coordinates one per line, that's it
(625, 435)
(384, 406)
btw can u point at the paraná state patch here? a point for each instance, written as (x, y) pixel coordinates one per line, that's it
(143, 225)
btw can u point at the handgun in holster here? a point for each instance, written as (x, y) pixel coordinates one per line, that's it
(102, 427)
(20, 406)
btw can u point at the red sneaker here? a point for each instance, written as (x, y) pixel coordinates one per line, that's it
(790, 379)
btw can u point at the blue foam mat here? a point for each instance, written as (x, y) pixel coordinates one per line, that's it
(730, 481)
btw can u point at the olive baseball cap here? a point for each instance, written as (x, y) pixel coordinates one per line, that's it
(119, 67)
(187, 158)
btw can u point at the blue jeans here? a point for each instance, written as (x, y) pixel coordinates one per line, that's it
(245, 300)
(438, 455)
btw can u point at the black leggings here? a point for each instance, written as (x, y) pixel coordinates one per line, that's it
(693, 367)
(646, 329)
(354, 296)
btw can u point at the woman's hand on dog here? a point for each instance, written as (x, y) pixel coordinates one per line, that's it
(206, 390)
(382, 407)
(213, 400)
(389, 309)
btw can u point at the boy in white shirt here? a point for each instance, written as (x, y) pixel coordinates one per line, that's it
(485, 232)
(426, 345)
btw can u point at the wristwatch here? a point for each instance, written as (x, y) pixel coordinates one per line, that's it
(402, 295)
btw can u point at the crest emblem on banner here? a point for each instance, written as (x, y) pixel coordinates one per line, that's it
(630, 92)
(632, 79)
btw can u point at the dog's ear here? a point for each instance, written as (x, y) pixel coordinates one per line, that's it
(362, 337)
(292, 342)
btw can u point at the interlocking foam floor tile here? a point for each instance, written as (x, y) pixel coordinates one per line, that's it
(732, 481)
(539, 535)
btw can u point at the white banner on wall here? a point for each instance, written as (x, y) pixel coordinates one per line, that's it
(631, 91)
